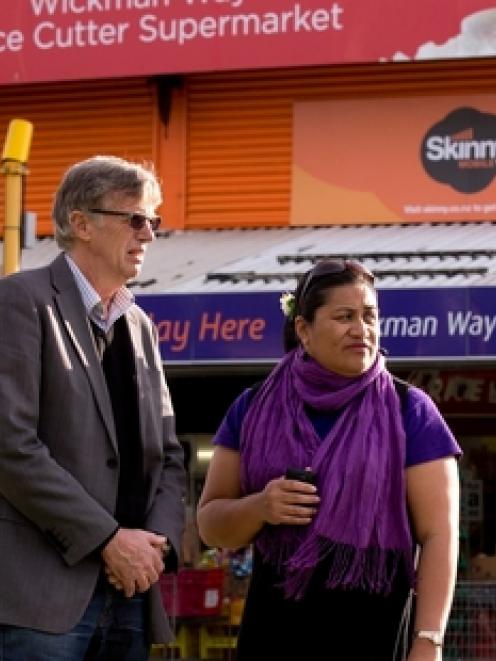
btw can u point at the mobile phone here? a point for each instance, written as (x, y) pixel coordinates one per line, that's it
(301, 474)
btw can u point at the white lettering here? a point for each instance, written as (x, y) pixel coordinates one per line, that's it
(286, 16)
(207, 28)
(232, 3)
(489, 325)
(150, 31)
(320, 21)
(445, 149)
(336, 12)
(187, 29)
(154, 28)
(80, 34)
(223, 24)
(468, 323)
(414, 326)
(245, 23)
(41, 6)
(11, 41)
(51, 7)
(270, 24)
(458, 322)
(301, 19)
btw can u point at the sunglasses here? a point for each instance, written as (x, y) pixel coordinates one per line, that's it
(334, 267)
(136, 220)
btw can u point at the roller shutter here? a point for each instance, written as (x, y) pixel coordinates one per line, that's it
(239, 129)
(73, 121)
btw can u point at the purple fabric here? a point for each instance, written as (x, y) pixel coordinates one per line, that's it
(361, 526)
(428, 437)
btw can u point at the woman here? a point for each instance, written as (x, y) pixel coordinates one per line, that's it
(334, 561)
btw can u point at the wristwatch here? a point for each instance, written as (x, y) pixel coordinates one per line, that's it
(435, 637)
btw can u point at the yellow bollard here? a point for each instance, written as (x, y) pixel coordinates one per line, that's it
(15, 155)
(18, 141)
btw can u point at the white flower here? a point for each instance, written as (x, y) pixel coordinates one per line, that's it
(287, 302)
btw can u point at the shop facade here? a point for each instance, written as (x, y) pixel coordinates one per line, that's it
(222, 333)
(220, 96)
(238, 105)
(440, 339)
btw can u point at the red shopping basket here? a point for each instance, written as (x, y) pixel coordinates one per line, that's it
(193, 592)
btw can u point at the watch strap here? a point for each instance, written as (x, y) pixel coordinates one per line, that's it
(435, 637)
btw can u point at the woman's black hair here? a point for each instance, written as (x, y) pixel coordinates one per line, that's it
(311, 292)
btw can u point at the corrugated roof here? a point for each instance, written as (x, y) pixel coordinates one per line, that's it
(423, 255)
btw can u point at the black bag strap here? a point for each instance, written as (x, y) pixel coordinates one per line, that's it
(402, 390)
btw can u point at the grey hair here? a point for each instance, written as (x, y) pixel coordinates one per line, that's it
(86, 184)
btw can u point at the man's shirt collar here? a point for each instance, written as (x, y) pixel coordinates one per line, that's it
(122, 300)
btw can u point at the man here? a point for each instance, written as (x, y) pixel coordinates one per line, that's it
(91, 472)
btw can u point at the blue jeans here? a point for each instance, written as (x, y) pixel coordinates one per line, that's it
(111, 629)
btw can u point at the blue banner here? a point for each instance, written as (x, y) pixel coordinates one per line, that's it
(247, 326)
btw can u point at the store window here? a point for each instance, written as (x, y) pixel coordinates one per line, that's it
(478, 507)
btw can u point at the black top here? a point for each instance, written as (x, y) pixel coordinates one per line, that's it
(116, 353)
(335, 625)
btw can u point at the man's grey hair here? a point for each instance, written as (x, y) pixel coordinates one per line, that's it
(86, 184)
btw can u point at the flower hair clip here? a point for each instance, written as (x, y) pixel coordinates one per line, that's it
(287, 302)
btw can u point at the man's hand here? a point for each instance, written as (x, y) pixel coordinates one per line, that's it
(134, 559)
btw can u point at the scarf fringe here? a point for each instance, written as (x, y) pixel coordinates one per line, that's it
(372, 570)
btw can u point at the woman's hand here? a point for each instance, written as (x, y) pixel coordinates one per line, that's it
(229, 519)
(289, 502)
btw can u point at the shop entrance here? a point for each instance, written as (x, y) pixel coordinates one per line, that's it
(466, 396)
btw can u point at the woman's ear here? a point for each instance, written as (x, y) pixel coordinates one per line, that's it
(301, 330)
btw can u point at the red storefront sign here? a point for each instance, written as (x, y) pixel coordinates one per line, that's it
(464, 392)
(48, 40)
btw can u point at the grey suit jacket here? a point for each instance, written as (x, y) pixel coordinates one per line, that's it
(58, 452)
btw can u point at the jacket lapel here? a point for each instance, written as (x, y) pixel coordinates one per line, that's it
(75, 322)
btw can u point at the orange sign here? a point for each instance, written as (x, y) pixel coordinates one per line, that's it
(393, 160)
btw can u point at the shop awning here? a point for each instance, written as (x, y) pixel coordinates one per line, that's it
(214, 295)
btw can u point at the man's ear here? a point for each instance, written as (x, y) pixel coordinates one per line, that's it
(80, 225)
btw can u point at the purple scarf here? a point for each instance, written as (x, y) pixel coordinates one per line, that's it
(361, 527)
